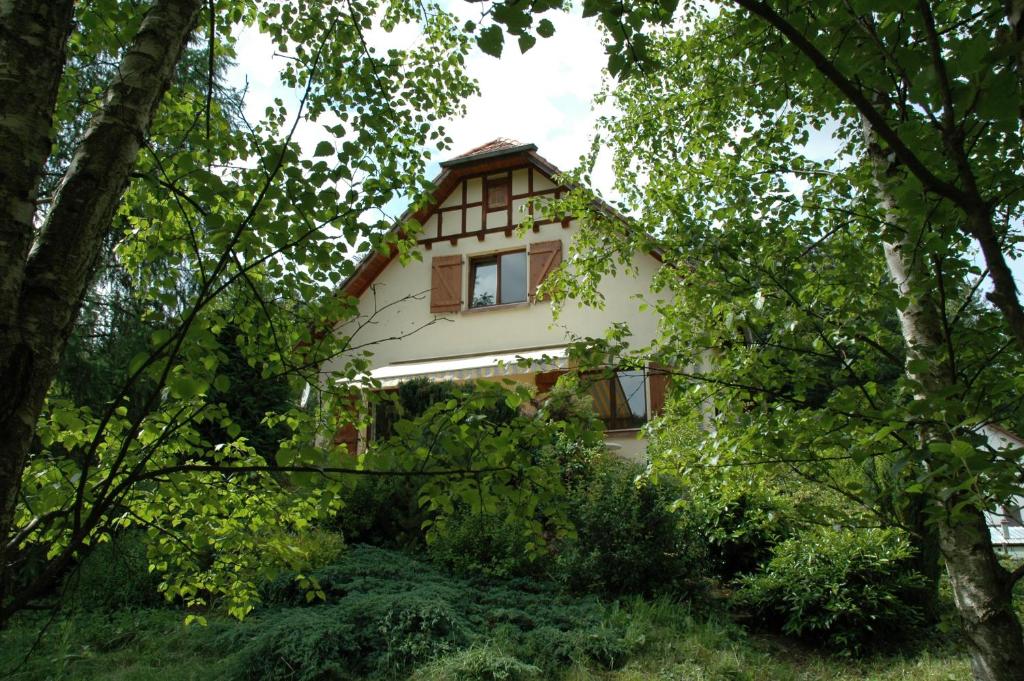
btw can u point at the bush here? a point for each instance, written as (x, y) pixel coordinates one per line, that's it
(739, 531)
(628, 539)
(479, 663)
(383, 510)
(480, 543)
(852, 588)
(367, 635)
(386, 613)
(115, 575)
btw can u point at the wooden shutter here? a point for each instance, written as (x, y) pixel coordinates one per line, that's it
(348, 437)
(657, 378)
(347, 434)
(545, 380)
(544, 257)
(446, 283)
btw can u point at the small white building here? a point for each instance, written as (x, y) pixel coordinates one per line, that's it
(1005, 524)
(468, 307)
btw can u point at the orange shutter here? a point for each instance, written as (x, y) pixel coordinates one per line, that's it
(347, 434)
(348, 437)
(545, 380)
(544, 257)
(657, 378)
(446, 283)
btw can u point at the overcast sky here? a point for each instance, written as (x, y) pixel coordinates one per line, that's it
(543, 96)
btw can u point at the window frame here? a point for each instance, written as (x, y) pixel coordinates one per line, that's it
(614, 423)
(496, 258)
(505, 183)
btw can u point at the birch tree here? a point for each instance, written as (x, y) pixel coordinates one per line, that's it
(790, 269)
(258, 227)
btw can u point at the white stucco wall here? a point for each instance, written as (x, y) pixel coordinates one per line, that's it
(395, 322)
(399, 329)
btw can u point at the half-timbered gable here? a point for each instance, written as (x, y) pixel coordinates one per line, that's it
(468, 307)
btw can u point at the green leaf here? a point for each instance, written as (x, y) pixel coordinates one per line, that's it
(491, 40)
(545, 28)
(324, 148)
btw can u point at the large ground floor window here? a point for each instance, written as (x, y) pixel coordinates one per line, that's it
(621, 400)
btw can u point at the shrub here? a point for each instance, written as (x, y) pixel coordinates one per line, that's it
(739, 531)
(384, 511)
(480, 543)
(628, 539)
(850, 587)
(478, 663)
(365, 635)
(386, 613)
(115, 575)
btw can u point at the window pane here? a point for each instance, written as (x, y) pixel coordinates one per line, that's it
(621, 402)
(497, 194)
(632, 385)
(485, 283)
(513, 278)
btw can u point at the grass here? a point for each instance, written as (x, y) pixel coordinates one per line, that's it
(499, 631)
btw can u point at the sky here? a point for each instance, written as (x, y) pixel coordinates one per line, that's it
(544, 96)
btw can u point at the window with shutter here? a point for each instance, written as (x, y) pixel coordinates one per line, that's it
(621, 400)
(446, 283)
(497, 279)
(544, 257)
(658, 381)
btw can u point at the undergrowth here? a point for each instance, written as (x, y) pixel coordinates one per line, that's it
(390, 617)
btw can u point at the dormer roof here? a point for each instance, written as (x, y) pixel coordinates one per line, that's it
(497, 155)
(497, 147)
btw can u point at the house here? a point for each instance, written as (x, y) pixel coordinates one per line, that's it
(468, 308)
(1005, 523)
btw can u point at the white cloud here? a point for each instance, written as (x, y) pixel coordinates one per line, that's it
(544, 96)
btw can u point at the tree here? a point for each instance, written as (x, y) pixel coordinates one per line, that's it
(248, 233)
(806, 300)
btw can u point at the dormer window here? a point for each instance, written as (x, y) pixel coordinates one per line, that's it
(498, 279)
(496, 193)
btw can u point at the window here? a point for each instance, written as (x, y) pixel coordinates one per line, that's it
(621, 401)
(496, 193)
(498, 279)
(385, 415)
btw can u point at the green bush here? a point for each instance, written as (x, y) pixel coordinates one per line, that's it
(386, 613)
(479, 663)
(739, 532)
(851, 588)
(385, 511)
(114, 575)
(367, 635)
(484, 544)
(628, 539)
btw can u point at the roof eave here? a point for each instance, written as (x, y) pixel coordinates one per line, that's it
(505, 151)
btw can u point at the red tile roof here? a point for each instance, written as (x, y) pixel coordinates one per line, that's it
(494, 145)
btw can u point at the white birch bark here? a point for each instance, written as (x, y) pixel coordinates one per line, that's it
(982, 588)
(47, 276)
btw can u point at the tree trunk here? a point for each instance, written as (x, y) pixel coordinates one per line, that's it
(983, 592)
(33, 34)
(54, 275)
(982, 589)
